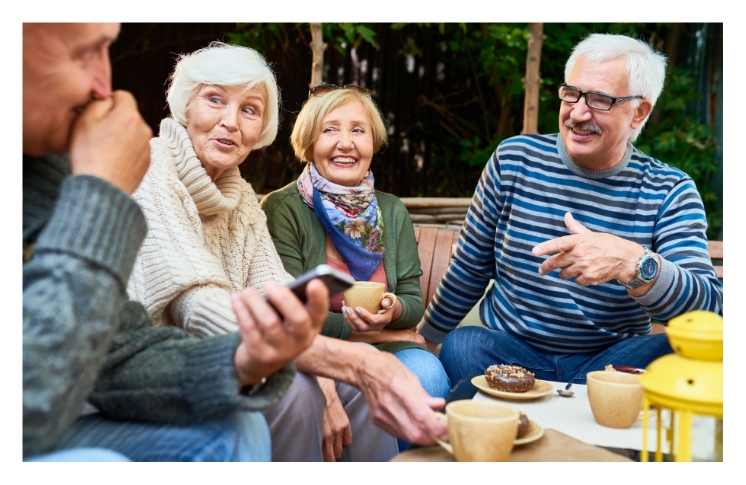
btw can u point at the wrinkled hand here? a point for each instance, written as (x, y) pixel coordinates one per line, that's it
(110, 140)
(361, 320)
(270, 339)
(337, 430)
(397, 402)
(592, 258)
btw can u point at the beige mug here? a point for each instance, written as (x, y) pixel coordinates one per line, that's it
(368, 295)
(479, 431)
(615, 398)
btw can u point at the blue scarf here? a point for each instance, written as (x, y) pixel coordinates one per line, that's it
(350, 216)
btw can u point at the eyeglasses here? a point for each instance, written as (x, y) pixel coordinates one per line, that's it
(594, 100)
(322, 89)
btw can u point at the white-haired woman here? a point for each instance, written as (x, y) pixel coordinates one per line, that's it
(207, 237)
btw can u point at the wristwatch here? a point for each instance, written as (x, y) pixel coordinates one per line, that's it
(647, 269)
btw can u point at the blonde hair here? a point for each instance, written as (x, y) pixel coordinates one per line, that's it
(225, 65)
(308, 123)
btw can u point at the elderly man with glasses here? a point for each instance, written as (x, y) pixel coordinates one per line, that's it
(586, 238)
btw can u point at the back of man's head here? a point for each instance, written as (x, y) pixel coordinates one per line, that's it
(646, 67)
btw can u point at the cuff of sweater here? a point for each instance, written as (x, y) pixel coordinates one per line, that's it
(336, 327)
(430, 333)
(661, 286)
(96, 221)
(210, 375)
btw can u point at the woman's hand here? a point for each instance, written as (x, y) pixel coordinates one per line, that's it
(337, 430)
(361, 320)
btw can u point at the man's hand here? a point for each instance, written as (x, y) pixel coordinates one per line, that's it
(592, 258)
(337, 430)
(110, 140)
(269, 340)
(396, 400)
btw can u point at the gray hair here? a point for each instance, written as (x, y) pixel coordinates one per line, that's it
(646, 67)
(224, 65)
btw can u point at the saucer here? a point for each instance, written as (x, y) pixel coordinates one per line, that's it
(540, 389)
(535, 431)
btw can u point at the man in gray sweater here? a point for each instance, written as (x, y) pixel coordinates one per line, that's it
(160, 393)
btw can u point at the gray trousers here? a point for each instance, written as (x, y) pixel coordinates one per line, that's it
(296, 425)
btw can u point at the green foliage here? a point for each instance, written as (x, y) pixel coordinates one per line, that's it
(263, 38)
(484, 105)
(679, 139)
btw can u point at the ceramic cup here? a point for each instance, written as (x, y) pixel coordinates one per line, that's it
(368, 295)
(615, 397)
(479, 431)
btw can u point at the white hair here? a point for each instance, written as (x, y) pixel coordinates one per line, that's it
(224, 65)
(646, 67)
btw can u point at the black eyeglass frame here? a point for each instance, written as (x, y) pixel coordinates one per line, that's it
(325, 88)
(586, 93)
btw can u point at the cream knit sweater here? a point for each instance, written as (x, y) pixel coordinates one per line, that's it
(205, 240)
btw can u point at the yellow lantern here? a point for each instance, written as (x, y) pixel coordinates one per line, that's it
(686, 383)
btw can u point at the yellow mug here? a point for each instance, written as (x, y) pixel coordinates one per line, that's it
(479, 431)
(368, 295)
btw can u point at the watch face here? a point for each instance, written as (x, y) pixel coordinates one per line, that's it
(649, 268)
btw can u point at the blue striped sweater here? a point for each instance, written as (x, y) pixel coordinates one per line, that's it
(523, 194)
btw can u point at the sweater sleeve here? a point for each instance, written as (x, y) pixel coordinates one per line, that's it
(167, 375)
(472, 266)
(687, 279)
(176, 278)
(73, 286)
(408, 271)
(290, 227)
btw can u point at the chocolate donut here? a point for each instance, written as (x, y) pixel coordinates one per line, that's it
(523, 426)
(509, 378)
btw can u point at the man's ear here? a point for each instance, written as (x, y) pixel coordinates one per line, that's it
(641, 113)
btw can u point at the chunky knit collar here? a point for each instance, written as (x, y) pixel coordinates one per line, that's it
(210, 197)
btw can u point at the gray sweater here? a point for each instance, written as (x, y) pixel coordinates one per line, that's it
(83, 340)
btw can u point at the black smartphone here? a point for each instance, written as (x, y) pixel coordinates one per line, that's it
(335, 281)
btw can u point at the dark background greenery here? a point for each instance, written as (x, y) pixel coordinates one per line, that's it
(450, 93)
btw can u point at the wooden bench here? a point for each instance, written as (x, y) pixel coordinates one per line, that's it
(716, 254)
(435, 246)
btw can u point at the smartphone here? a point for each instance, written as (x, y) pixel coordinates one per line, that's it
(335, 281)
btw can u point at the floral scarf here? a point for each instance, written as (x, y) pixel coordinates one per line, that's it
(350, 216)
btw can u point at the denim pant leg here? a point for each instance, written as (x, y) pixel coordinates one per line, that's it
(468, 351)
(241, 436)
(636, 352)
(429, 370)
(80, 455)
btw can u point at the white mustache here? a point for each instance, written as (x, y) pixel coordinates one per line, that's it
(584, 126)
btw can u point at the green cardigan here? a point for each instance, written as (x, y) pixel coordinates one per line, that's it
(300, 240)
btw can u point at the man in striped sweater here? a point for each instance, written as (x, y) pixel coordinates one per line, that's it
(585, 237)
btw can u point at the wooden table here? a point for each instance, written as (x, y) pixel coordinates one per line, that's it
(553, 446)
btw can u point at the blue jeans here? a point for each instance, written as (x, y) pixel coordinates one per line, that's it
(468, 351)
(429, 370)
(241, 436)
(80, 454)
